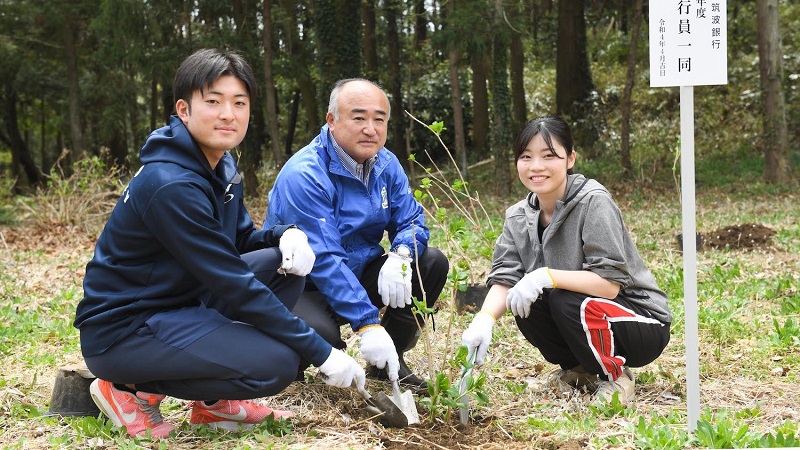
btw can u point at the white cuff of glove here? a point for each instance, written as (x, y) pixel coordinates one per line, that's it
(377, 348)
(394, 281)
(478, 335)
(527, 291)
(297, 256)
(342, 371)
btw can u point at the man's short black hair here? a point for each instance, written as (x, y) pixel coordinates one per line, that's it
(204, 67)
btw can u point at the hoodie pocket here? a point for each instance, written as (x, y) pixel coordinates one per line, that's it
(183, 326)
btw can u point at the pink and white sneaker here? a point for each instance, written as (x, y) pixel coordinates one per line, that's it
(138, 412)
(231, 414)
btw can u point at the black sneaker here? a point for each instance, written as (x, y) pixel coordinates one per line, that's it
(407, 378)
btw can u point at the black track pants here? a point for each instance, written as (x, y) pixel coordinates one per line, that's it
(602, 335)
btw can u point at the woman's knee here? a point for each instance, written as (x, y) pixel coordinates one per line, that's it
(563, 303)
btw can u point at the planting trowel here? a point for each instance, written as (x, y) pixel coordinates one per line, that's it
(386, 410)
(405, 401)
(463, 386)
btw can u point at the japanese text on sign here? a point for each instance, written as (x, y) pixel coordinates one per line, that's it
(688, 42)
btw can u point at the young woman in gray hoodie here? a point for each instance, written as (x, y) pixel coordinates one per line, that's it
(567, 268)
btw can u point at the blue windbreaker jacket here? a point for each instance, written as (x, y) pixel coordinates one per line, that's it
(345, 220)
(174, 239)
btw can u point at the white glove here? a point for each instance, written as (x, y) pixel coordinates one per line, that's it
(527, 291)
(479, 335)
(377, 348)
(394, 281)
(341, 370)
(298, 258)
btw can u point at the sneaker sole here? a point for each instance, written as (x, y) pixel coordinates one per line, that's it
(105, 407)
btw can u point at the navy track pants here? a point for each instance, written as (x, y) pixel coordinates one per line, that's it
(233, 361)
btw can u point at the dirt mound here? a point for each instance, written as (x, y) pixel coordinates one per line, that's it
(749, 235)
(744, 236)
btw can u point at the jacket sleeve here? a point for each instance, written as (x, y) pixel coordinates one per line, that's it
(604, 236)
(507, 266)
(248, 237)
(305, 198)
(181, 216)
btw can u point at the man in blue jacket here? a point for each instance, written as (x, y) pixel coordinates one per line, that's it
(345, 189)
(184, 296)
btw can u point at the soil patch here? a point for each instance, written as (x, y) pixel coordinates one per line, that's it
(749, 235)
(742, 236)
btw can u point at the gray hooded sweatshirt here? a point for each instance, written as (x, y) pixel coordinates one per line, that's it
(586, 233)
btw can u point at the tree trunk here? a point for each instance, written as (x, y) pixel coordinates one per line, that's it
(154, 111)
(630, 77)
(574, 86)
(775, 139)
(7, 131)
(71, 57)
(455, 98)
(249, 153)
(370, 40)
(540, 9)
(308, 98)
(300, 62)
(420, 24)
(518, 82)
(19, 149)
(480, 105)
(339, 42)
(118, 149)
(573, 80)
(501, 114)
(273, 125)
(395, 81)
(167, 104)
(44, 155)
(292, 125)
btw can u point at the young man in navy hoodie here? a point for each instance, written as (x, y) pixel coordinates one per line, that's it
(184, 296)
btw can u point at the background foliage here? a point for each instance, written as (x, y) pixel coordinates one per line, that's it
(82, 76)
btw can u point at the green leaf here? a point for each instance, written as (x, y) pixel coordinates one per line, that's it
(437, 127)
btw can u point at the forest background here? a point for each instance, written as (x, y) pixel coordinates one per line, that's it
(92, 77)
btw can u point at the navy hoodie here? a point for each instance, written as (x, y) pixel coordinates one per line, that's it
(173, 240)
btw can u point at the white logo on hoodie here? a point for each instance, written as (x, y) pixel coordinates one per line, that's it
(128, 189)
(228, 196)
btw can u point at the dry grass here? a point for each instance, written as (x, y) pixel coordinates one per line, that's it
(40, 264)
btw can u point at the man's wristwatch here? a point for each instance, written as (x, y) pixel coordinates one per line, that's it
(403, 251)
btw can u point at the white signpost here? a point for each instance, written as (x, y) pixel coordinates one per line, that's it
(689, 47)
